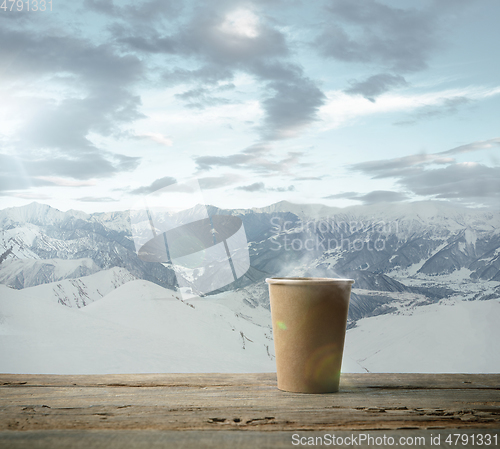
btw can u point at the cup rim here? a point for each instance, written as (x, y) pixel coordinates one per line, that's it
(299, 280)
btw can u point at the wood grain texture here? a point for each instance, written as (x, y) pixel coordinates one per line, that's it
(169, 402)
(230, 439)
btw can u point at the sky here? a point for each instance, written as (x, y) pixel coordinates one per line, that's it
(337, 102)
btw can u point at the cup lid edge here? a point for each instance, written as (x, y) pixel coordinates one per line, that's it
(299, 280)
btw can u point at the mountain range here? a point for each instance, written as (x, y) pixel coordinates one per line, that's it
(405, 258)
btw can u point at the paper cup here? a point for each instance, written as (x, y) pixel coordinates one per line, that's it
(309, 318)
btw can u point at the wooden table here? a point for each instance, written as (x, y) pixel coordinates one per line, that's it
(239, 410)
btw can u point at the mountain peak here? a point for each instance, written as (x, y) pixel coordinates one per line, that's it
(35, 213)
(417, 210)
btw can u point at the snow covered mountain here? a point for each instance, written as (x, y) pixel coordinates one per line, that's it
(22, 273)
(82, 291)
(139, 327)
(412, 263)
(452, 336)
(387, 250)
(37, 232)
(410, 248)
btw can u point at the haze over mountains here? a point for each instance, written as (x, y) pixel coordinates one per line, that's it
(411, 262)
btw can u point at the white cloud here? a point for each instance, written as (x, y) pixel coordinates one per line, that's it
(158, 138)
(249, 111)
(341, 108)
(66, 182)
(31, 196)
(242, 23)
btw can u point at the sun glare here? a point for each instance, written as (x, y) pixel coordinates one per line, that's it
(242, 23)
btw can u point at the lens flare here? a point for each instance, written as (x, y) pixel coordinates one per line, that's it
(281, 325)
(322, 367)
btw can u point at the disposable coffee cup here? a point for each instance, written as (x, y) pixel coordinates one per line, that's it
(309, 318)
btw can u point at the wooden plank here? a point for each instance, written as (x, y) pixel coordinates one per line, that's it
(374, 380)
(246, 402)
(150, 439)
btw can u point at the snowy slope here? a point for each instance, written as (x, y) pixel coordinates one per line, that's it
(22, 273)
(139, 327)
(197, 326)
(18, 241)
(84, 290)
(451, 337)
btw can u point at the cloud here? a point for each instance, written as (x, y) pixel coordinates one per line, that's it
(341, 108)
(154, 186)
(474, 146)
(201, 91)
(218, 35)
(415, 163)
(20, 173)
(261, 187)
(388, 168)
(27, 196)
(376, 196)
(65, 182)
(32, 53)
(447, 106)
(86, 166)
(373, 32)
(13, 181)
(342, 196)
(290, 188)
(457, 181)
(202, 97)
(208, 74)
(253, 158)
(309, 178)
(215, 182)
(84, 88)
(95, 199)
(156, 137)
(294, 102)
(246, 157)
(439, 175)
(228, 39)
(206, 183)
(230, 36)
(135, 12)
(255, 187)
(13, 175)
(376, 85)
(293, 106)
(65, 125)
